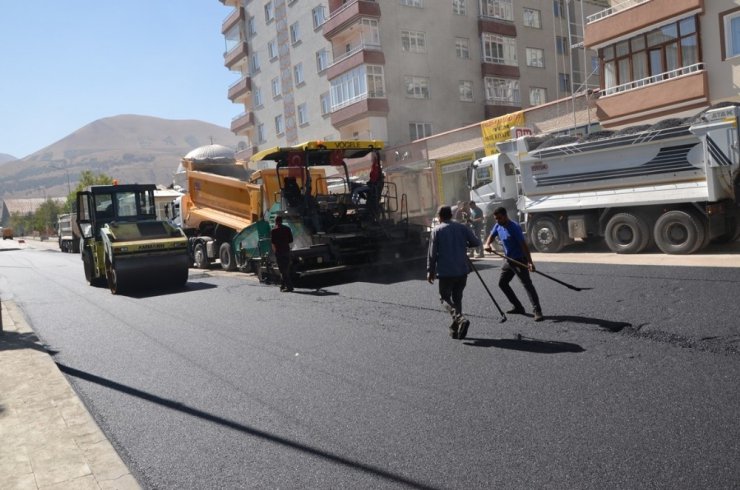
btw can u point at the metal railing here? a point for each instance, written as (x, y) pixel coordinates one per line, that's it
(614, 9)
(660, 77)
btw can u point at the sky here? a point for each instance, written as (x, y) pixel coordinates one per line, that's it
(67, 63)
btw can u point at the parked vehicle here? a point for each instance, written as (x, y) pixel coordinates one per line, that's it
(68, 232)
(7, 233)
(675, 184)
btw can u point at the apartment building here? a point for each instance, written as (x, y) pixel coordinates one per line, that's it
(665, 58)
(397, 70)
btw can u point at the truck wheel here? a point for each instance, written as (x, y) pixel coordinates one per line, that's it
(226, 255)
(546, 235)
(679, 232)
(200, 256)
(627, 234)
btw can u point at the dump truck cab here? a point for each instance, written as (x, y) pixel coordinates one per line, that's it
(123, 242)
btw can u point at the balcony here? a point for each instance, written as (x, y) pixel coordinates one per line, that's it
(496, 26)
(233, 19)
(630, 16)
(349, 14)
(499, 70)
(358, 109)
(361, 55)
(245, 154)
(237, 56)
(240, 90)
(242, 122)
(677, 90)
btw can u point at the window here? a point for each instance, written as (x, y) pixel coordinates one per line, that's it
(319, 16)
(269, 12)
(458, 7)
(302, 114)
(251, 27)
(532, 18)
(295, 33)
(535, 57)
(502, 91)
(257, 97)
(298, 74)
(416, 87)
(276, 87)
(279, 125)
(564, 82)
(651, 56)
(325, 102)
(561, 45)
(272, 49)
(413, 41)
(260, 133)
(462, 48)
(537, 96)
(362, 82)
(558, 9)
(730, 28)
(466, 90)
(419, 130)
(499, 49)
(254, 63)
(500, 9)
(322, 60)
(412, 3)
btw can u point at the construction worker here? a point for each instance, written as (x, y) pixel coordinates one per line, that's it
(281, 237)
(447, 260)
(515, 248)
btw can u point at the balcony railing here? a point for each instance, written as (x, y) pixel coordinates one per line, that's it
(643, 82)
(616, 8)
(355, 50)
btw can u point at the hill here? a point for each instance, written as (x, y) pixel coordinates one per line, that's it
(5, 158)
(129, 148)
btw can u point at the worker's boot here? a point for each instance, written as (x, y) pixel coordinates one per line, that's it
(462, 329)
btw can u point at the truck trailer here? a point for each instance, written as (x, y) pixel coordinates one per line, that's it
(356, 224)
(68, 232)
(675, 184)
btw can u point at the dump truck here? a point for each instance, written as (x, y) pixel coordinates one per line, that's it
(68, 233)
(675, 184)
(124, 245)
(354, 225)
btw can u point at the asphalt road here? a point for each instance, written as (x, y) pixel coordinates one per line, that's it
(231, 384)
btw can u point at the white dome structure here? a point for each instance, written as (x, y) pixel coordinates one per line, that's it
(211, 154)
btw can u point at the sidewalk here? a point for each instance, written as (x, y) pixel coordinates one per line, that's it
(48, 440)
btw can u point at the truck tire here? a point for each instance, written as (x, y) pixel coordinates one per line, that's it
(627, 234)
(226, 255)
(546, 235)
(679, 232)
(200, 256)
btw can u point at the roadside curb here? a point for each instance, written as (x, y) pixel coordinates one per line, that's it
(49, 439)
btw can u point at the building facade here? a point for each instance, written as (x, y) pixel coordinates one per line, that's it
(665, 58)
(397, 70)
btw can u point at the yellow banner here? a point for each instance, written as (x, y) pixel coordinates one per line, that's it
(499, 129)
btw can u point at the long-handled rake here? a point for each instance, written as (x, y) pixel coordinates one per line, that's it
(503, 315)
(569, 286)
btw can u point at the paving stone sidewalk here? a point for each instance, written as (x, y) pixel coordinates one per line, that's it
(48, 440)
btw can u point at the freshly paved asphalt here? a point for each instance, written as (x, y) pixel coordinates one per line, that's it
(231, 384)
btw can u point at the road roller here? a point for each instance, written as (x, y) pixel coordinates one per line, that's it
(124, 245)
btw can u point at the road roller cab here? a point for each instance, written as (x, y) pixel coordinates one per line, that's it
(124, 245)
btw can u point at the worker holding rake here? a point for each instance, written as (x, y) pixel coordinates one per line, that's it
(517, 255)
(447, 260)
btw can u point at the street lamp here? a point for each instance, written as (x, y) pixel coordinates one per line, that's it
(69, 187)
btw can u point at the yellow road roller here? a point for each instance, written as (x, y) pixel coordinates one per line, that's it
(124, 245)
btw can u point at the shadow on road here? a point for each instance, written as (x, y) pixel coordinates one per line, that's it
(245, 429)
(609, 325)
(162, 291)
(28, 340)
(527, 345)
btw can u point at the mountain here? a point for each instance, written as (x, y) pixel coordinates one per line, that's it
(5, 158)
(129, 148)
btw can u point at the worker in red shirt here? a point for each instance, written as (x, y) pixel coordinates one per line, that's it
(281, 238)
